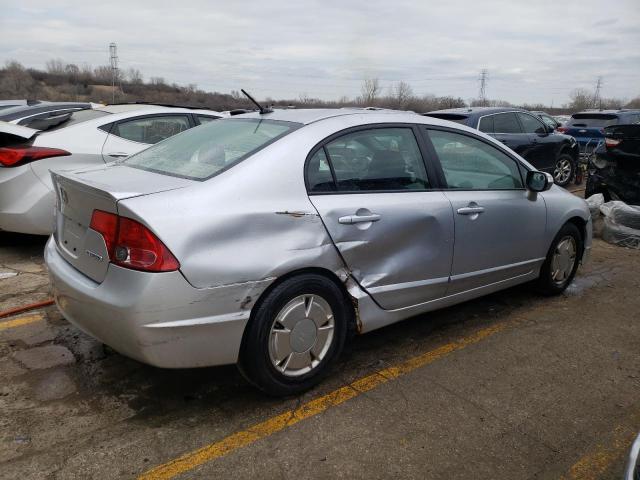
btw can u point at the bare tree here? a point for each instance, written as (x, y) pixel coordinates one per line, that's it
(401, 94)
(134, 76)
(580, 99)
(55, 66)
(370, 90)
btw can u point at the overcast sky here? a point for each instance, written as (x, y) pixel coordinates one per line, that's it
(534, 50)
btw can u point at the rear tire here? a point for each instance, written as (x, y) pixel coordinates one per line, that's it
(564, 170)
(295, 336)
(561, 264)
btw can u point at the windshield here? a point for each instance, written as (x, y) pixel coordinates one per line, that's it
(592, 120)
(202, 152)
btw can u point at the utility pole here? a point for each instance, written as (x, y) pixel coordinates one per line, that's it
(484, 74)
(597, 101)
(113, 60)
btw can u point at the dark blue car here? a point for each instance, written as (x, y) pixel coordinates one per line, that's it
(588, 127)
(525, 134)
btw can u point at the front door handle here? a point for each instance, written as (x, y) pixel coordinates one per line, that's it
(351, 219)
(470, 210)
(118, 154)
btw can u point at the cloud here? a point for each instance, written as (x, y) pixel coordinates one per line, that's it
(324, 48)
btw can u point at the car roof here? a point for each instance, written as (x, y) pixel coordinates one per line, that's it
(306, 116)
(472, 111)
(608, 112)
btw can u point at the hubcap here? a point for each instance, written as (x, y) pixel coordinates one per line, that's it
(301, 335)
(563, 260)
(562, 172)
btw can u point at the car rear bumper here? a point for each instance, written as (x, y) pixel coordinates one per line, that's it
(26, 204)
(155, 318)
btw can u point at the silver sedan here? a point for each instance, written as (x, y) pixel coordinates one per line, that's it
(267, 239)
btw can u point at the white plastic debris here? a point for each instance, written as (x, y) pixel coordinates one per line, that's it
(621, 224)
(594, 202)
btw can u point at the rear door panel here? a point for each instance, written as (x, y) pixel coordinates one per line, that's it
(404, 258)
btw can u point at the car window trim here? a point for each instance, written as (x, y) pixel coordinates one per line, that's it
(142, 117)
(445, 186)
(501, 113)
(324, 142)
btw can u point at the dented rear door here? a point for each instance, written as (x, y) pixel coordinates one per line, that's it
(403, 256)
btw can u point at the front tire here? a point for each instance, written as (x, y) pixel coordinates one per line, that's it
(564, 170)
(563, 258)
(295, 335)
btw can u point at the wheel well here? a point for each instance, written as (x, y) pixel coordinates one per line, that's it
(568, 150)
(318, 271)
(582, 228)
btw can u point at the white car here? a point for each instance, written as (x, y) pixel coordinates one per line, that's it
(89, 138)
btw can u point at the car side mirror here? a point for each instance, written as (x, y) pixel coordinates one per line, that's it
(539, 181)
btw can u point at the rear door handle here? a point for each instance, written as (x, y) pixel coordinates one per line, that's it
(470, 210)
(351, 219)
(118, 154)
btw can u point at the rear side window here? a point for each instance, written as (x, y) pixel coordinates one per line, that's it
(206, 118)
(592, 120)
(151, 129)
(486, 124)
(380, 159)
(319, 176)
(506, 123)
(530, 124)
(203, 152)
(470, 164)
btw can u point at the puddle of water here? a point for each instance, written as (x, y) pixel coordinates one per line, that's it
(4, 275)
(582, 283)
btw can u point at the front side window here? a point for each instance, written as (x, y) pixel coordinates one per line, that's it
(471, 164)
(203, 152)
(531, 124)
(380, 159)
(506, 123)
(151, 129)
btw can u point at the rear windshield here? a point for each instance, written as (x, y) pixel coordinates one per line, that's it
(80, 116)
(202, 152)
(452, 117)
(595, 120)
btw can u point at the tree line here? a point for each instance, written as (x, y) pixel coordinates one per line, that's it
(61, 81)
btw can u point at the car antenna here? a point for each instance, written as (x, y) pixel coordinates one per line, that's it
(262, 109)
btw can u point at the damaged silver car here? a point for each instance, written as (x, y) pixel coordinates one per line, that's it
(266, 239)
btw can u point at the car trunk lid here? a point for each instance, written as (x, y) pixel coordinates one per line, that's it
(11, 134)
(629, 138)
(79, 193)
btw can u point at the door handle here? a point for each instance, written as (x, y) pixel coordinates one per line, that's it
(351, 219)
(118, 154)
(470, 210)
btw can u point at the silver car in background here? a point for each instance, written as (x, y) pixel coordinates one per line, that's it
(265, 239)
(74, 139)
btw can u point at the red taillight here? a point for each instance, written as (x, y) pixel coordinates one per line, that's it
(132, 245)
(611, 142)
(562, 129)
(106, 224)
(21, 154)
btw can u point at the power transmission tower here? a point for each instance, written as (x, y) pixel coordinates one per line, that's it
(597, 101)
(113, 59)
(484, 74)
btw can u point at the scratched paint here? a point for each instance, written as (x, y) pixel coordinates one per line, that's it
(310, 409)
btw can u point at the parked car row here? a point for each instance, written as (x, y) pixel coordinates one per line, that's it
(61, 137)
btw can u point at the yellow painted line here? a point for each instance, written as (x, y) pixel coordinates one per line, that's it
(310, 409)
(18, 322)
(596, 462)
